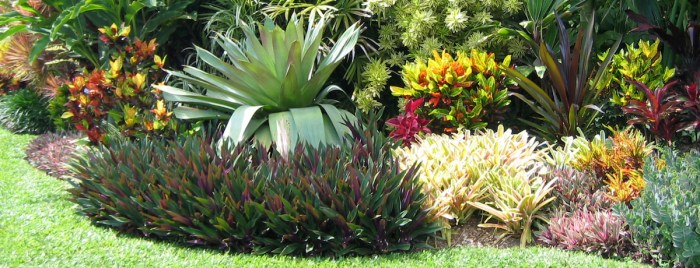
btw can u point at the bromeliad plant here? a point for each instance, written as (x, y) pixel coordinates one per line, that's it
(469, 91)
(568, 101)
(121, 95)
(494, 171)
(409, 125)
(272, 89)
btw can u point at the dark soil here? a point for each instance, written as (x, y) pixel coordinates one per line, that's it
(51, 152)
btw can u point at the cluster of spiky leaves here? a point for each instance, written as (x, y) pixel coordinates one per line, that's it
(468, 91)
(495, 171)
(641, 64)
(352, 199)
(566, 101)
(409, 125)
(121, 95)
(658, 111)
(607, 171)
(602, 232)
(582, 218)
(578, 190)
(25, 111)
(274, 88)
(664, 220)
(617, 161)
(51, 152)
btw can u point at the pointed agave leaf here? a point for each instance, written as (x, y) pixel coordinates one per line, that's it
(254, 48)
(307, 121)
(179, 95)
(282, 127)
(337, 118)
(246, 95)
(211, 89)
(239, 123)
(189, 113)
(247, 82)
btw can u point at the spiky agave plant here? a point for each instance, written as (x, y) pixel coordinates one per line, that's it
(272, 89)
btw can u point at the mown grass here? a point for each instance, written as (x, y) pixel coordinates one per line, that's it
(39, 228)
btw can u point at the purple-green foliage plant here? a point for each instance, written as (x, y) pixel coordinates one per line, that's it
(331, 200)
(601, 232)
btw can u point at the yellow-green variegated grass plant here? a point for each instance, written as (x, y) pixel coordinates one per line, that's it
(494, 171)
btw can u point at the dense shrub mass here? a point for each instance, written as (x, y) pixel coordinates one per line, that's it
(665, 219)
(352, 199)
(495, 171)
(25, 111)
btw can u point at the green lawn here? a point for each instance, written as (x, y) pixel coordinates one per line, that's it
(39, 227)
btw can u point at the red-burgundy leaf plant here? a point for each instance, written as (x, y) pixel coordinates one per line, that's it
(660, 112)
(409, 124)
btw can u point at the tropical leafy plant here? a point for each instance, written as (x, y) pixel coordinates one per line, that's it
(617, 161)
(408, 125)
(273, 90)
(664, 220)
(469, 91)
(578, 190)
(659, 112)
(602, 232)
(121, 95)
(567, 103)
(148, 19)
(25, 111)
(494, 171)
(683, 43)
(641, 64)
(330, 200)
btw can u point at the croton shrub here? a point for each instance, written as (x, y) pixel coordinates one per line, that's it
(330, 200)
(121, 94)
(467, 91)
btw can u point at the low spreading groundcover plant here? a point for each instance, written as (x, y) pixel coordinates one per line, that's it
(351, 199)
(41, 228)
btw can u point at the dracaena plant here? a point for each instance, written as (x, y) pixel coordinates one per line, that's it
(684, 44)
(272, 89)
(660, 112)
(567, 102)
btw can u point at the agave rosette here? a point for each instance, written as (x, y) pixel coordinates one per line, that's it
(272, 89)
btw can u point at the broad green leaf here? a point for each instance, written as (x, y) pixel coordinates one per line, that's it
(308, 123)
(238, 123)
